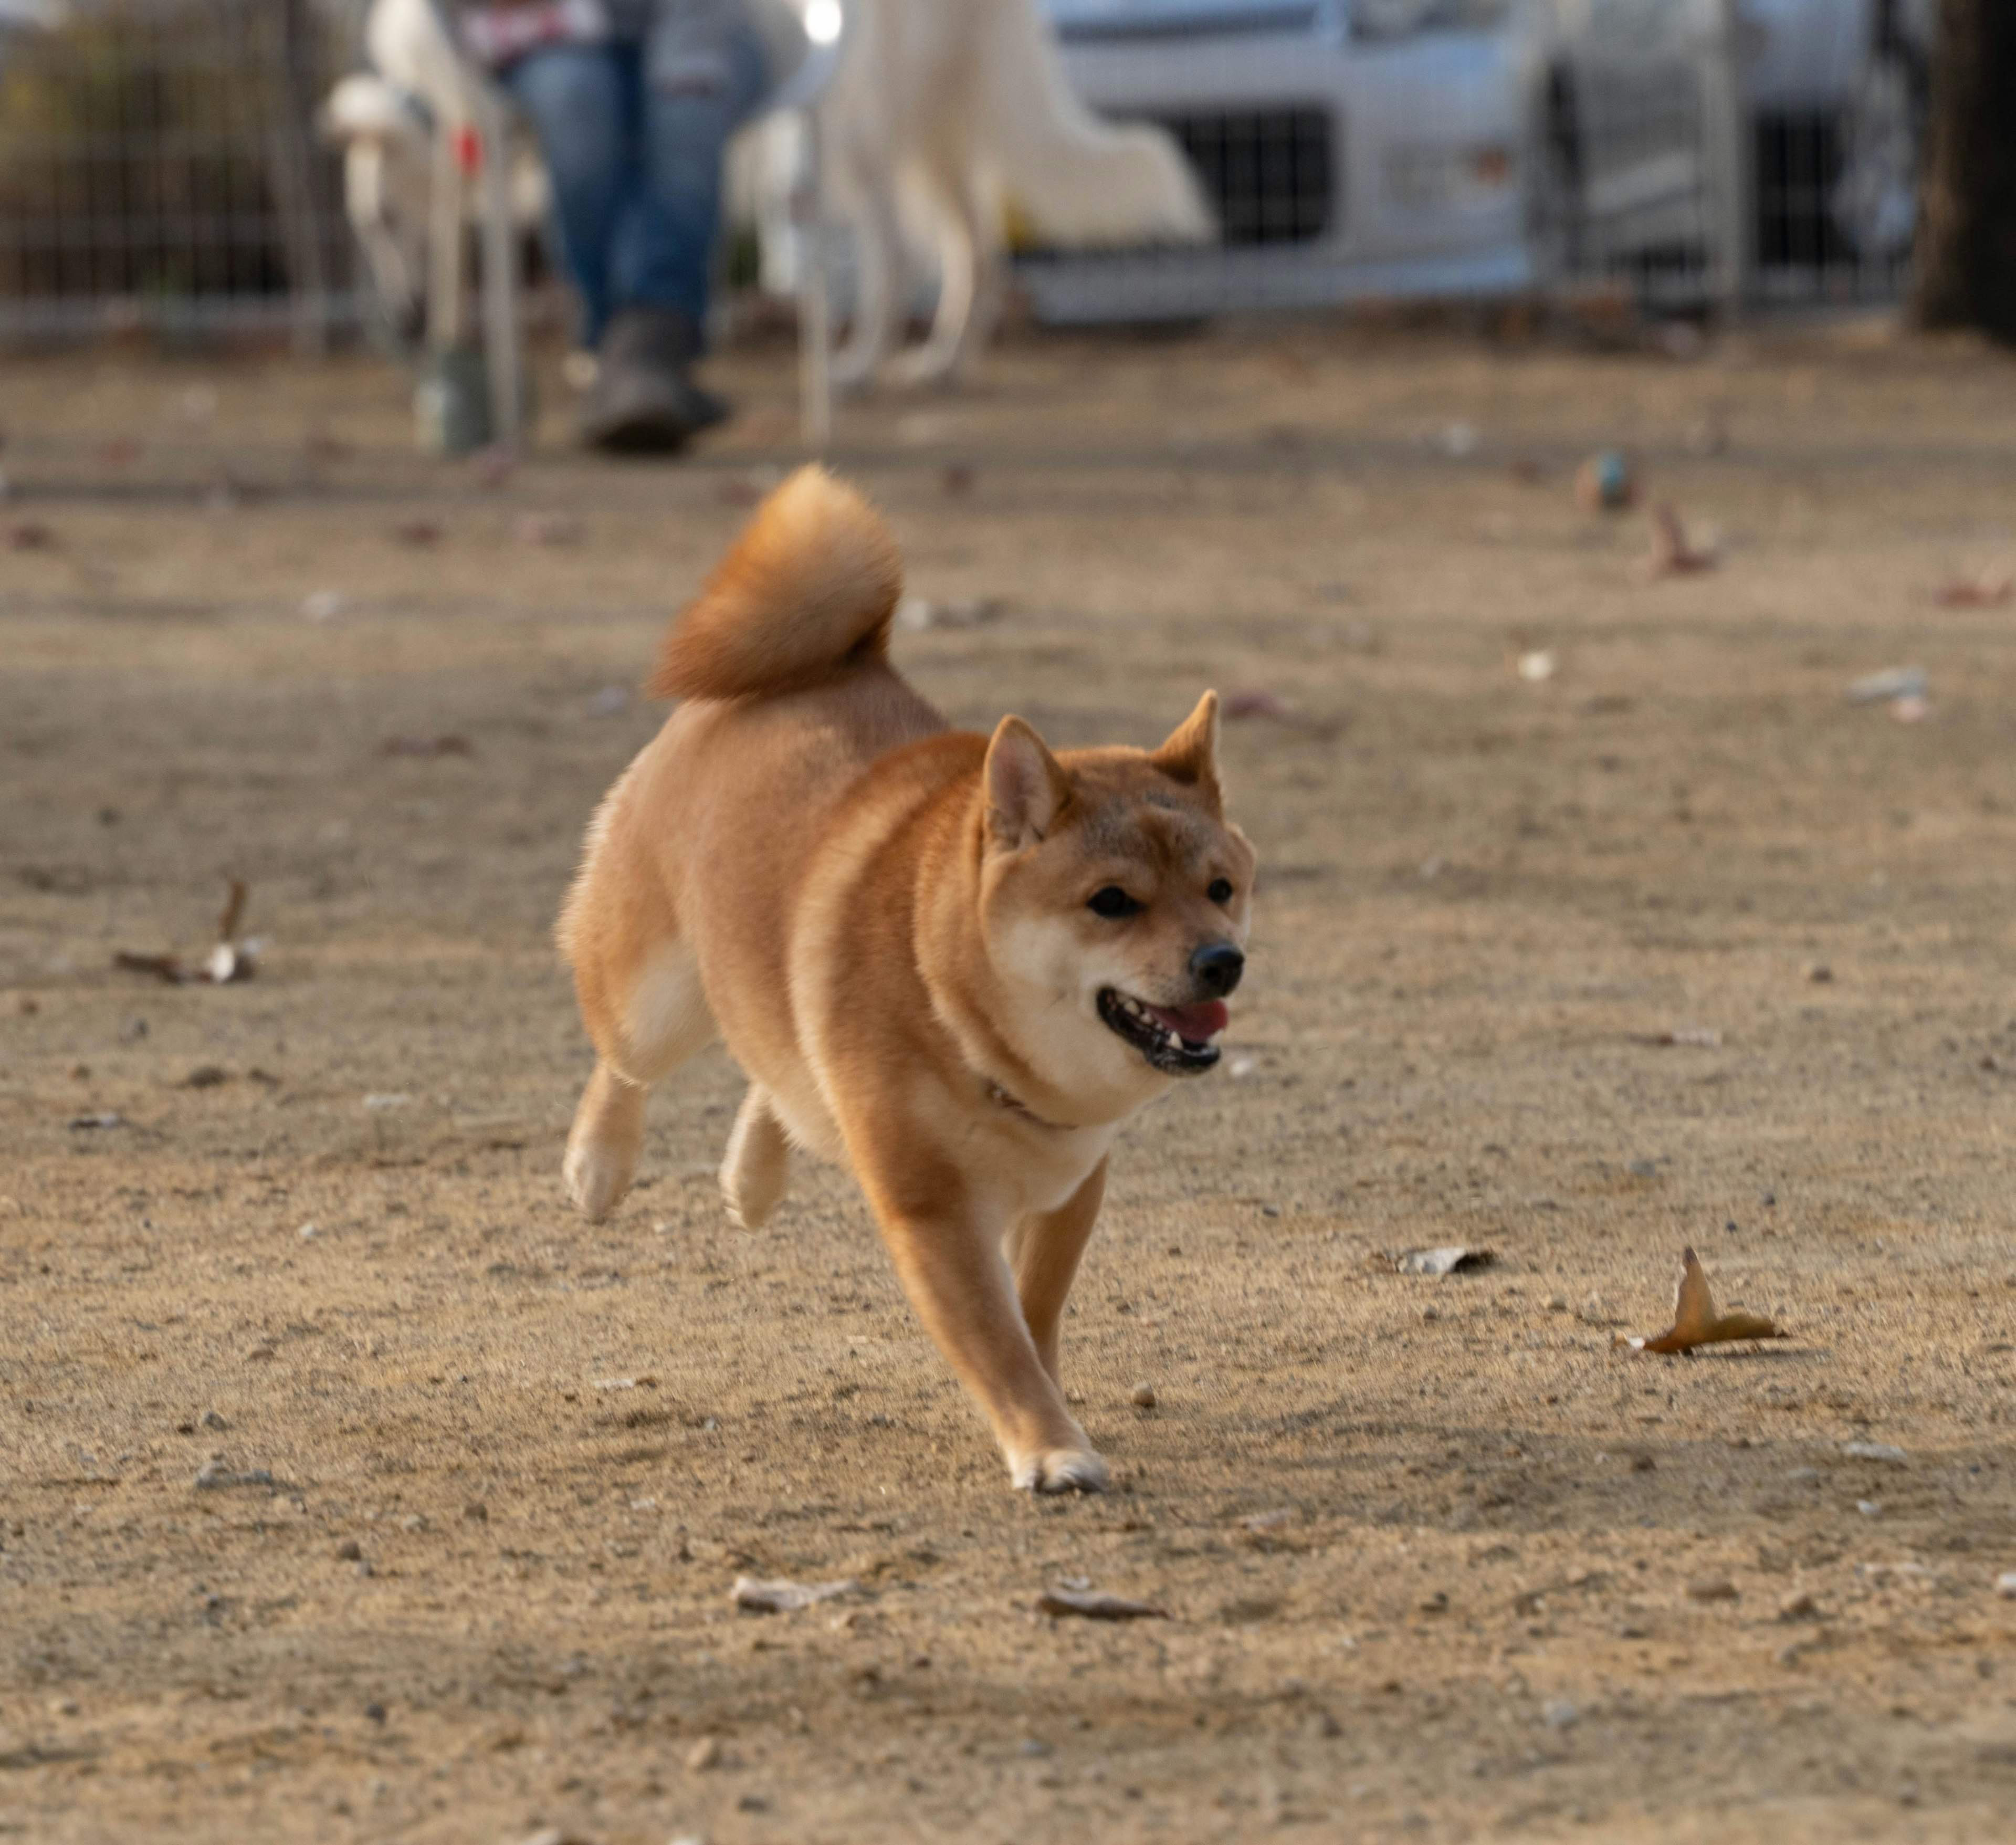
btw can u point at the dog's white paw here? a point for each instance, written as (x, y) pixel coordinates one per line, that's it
(597, 1178)
(1061, 1470)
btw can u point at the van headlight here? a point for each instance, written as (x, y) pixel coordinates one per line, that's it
(1384, 20)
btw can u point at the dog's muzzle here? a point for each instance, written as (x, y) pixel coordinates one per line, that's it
(1216, 967)
(1174, 1039)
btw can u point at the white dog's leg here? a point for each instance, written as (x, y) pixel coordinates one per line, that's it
(368, 201)
(935, 361)
(970, 282)
(878, 263)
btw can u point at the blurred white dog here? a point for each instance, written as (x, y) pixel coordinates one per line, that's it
(946, 112)
(385, 120)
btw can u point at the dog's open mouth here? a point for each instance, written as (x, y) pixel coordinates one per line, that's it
(1176, 1039)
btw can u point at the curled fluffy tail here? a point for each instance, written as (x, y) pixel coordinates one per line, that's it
(811, 583)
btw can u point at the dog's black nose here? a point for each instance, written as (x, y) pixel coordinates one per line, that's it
(1216, 967)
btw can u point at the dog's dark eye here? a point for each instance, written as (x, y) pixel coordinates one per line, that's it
(1112, 900)
(1220, 891)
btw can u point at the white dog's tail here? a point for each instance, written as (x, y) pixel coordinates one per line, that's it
(409, 45)
(1083, 181)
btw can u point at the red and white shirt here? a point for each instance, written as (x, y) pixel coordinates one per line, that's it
(496, 35)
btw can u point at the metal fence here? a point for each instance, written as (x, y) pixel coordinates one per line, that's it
(1834, 199)
(160, 168)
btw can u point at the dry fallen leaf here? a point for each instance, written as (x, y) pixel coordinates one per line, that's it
(493, 465)
(1673, 553)
(1990, 588)
(1097, 1605)
(227, 960)
(547, 529)
(1695, 1320)
(233, 913)
(1713, 1588)
(1269, 1530)
(28, 534)
(917, 614)
(1451, 1259)
(785, 1597)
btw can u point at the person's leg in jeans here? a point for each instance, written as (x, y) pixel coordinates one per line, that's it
(702, 77)
(633, 135)
(584, 103)
(702, 72)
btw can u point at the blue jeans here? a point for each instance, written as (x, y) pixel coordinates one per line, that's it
(632, 134)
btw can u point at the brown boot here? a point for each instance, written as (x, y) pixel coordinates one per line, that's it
(644, 401)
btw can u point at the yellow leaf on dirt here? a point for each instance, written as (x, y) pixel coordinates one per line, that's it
(1695, 1320)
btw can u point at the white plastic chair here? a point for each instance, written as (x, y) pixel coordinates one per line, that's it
(482, 132)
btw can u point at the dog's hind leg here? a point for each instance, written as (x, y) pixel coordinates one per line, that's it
(658, 1018)
(608, 1135)
(638, 981)
(753, 1169)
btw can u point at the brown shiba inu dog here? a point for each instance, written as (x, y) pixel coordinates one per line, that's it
(955, 963)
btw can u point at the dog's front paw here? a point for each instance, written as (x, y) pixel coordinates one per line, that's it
(597, 1177)
(1060, 1470)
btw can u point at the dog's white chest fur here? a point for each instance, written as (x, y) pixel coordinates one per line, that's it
(1047, 1177)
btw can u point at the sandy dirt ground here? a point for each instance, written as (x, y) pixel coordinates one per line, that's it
(1439, 1563)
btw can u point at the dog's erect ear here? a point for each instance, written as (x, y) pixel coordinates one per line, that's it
(1026, 787)
(1190, 755)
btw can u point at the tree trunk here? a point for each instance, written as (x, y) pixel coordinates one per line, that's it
(1967, 232)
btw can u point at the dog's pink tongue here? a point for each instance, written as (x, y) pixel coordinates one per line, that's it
(1199, 1024)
